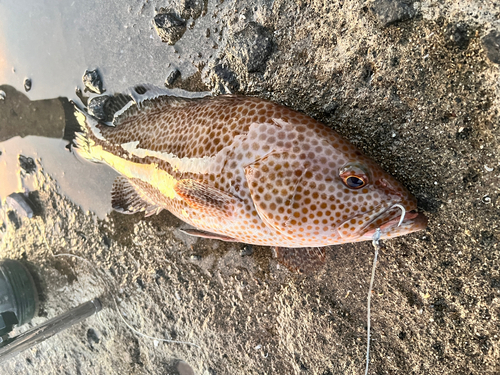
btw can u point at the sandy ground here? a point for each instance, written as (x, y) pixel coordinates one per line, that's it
(418, 96)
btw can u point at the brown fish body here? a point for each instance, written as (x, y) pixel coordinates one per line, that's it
(245, 169)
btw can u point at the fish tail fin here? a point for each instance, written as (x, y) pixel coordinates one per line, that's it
(84, 138)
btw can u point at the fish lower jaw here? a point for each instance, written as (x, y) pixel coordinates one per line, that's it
(412, 222)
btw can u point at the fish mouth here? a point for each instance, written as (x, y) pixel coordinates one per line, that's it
(413, 221)
(393, 220)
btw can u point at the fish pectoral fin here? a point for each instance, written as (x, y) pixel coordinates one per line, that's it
(302, 260)
(127, 198)
(206, 198)
(203, 234)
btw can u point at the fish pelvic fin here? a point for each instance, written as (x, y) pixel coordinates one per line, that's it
(303, 260)
(128, 198)
(204, 234)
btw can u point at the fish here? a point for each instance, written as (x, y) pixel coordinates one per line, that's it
(244, 169)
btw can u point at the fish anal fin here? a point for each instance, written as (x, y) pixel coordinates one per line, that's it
(302, 260)
(127, 198)
(206, 198)
(203, 234)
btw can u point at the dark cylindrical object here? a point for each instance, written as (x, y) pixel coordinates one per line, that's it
(48, 329)
(18, 295)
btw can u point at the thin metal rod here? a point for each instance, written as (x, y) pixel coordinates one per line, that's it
(42, 332)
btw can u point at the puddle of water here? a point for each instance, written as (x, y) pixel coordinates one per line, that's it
(87, 185)
(54, 42)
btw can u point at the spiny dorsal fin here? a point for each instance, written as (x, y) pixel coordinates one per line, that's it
(149, 97)
(145, 92)
(127, 198)
(208, 199)
(302, 260)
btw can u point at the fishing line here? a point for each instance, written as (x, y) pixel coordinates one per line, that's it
(376, 245)
(108, 285)
(146, 336)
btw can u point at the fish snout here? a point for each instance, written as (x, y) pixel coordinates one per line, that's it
(397, 192)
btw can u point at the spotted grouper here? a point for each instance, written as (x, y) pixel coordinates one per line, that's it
(245, 169)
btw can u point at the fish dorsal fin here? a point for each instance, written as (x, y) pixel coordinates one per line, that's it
(144, 92)
(208, 199)
(128, 198)
(147, 97)
(302, 260)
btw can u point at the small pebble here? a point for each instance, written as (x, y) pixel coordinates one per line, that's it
(27, 164)
(491, 43)
(172, 76)
(93, 336)
(192, 8)
(3, 95)
(226, 78)
(14, 220)
(27, 84)
(391, 11)
(96, 108)
(330, 108)
(18, 203)
(92, 81)
(169, 27)
(457, 35)
(247, 250)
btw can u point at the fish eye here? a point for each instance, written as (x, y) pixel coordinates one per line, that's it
(354, 182)
(353, 176)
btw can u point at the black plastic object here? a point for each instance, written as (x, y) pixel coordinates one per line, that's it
(18, 296)
(42, 332)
